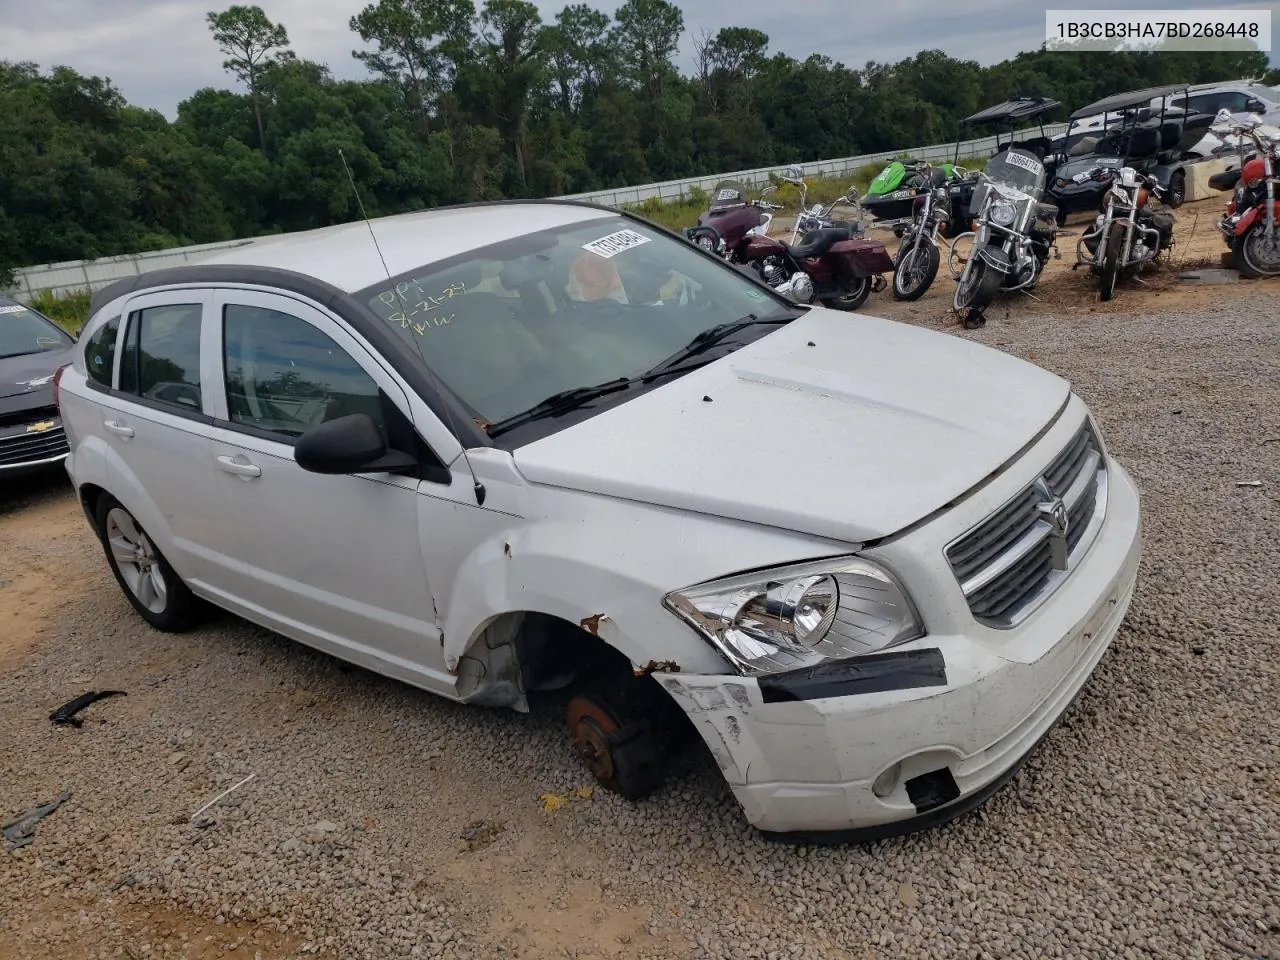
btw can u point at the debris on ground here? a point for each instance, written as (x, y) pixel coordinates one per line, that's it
(551, 802)
(21, 830)
(1209, 275)
(224, 793)
(65, 715)
(1248, 483)
(480, 833)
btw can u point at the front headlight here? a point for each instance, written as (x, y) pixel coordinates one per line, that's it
(1003, 212)
(802, 615)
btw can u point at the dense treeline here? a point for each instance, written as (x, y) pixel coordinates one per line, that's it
(467, 103)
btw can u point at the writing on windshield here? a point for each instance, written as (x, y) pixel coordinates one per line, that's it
(415, 302)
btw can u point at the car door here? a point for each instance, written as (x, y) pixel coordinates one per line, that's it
(156, 412)
(336, 561)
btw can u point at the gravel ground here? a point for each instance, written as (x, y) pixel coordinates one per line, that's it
(382, 822)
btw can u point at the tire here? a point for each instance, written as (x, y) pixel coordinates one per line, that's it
(854, 300)
(145, 576)
(1109, 270)
(984, 284)
(1248, 256)
(925, 272)
(1177, 194)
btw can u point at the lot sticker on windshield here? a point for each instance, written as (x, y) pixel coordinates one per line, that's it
(615, 243)
(1026, 163)
(15, 308)
(411, 293)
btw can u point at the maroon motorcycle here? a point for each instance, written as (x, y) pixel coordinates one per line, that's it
(832, 264)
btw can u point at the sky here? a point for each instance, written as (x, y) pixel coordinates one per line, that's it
(159, 52)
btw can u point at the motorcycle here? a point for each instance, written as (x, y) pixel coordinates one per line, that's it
(919, 255)
(730, 217)
(1128, 232)
(831, 264)
(1013, 233)
(1251, 226)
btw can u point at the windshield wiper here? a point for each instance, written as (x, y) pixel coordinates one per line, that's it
(561, 402)
(677, 363)
(707, 339)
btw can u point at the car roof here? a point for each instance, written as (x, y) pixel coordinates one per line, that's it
(345, 256)
(1134, 98)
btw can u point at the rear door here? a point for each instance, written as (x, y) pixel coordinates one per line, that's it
(335, 561)
(156, 414)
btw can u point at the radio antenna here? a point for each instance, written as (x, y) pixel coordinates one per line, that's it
(477, 486)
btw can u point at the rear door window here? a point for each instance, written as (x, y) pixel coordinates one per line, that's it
(161, 361)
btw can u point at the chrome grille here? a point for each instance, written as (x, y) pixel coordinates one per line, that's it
(20, 448)
(1012, 561)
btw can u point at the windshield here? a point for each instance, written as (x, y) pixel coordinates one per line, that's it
(23, 331)
(728, 193)
(1018, 169)
(517, 322)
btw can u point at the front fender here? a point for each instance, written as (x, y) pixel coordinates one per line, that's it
(1251, 216)
(605, 566)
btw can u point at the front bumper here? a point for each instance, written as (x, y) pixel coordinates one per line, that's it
(31, 441)
(942, 722)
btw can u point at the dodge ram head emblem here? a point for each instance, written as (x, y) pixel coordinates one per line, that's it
(1053, 511)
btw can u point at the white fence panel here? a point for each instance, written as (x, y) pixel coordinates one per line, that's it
(74, 275)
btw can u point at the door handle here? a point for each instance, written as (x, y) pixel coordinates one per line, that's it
(246, 470)
(119, 429)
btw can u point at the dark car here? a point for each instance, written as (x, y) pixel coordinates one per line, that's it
(32, 348)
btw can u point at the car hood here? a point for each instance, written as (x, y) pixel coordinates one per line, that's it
(17, 373)
(838, 425)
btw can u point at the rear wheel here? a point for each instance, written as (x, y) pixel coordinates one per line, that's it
(854, 296)
(145, 576)
(1177, 194)
(917, 267)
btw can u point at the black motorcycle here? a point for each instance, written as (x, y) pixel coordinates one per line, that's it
(916, 264)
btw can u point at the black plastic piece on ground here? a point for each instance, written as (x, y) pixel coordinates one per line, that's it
(66, 714)
(875, 673)
(931, 790)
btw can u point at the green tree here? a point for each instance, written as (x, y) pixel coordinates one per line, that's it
(252, 44)
(419, 43)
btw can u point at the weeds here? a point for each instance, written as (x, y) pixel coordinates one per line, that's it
(69, 311)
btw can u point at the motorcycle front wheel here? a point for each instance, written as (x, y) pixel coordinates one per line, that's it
(975, 292)
(855, 296)
(1109, 271)
(916, 269)
(1256, 254)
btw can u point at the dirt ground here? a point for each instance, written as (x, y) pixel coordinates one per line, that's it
(530, 893)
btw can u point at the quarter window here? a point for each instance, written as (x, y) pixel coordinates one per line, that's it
(161, 361)
(285, 376)
(100, 352)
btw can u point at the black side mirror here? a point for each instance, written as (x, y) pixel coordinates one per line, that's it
(350, 444)
(1255, 106)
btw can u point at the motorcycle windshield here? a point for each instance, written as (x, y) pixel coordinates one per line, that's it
(1018, 169)
(728, 193)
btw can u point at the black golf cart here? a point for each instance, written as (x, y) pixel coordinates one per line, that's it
(1139, 129)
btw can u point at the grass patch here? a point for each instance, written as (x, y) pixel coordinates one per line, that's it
(69, 311)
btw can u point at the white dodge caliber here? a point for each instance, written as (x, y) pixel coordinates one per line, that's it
(546, 446)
